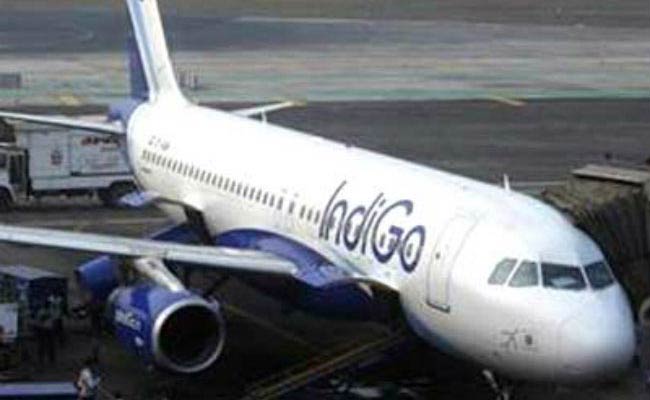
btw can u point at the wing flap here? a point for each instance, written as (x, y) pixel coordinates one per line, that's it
(65, 122)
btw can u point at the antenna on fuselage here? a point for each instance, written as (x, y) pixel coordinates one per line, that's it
(506, 182)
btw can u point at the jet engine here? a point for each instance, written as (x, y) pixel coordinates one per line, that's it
(175, 330)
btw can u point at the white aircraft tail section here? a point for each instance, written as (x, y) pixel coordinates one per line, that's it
(152, 74)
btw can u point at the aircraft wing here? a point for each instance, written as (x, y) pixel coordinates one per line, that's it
(265, 109)
(218, 257)
(65, 122)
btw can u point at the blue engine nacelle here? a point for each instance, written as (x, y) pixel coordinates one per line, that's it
(178, 331)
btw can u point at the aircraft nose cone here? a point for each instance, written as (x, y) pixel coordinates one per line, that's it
(598, 342)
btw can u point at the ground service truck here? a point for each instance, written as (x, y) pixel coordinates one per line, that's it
(42, 162)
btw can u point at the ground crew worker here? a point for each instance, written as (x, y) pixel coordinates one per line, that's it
(87, 381)
(43, 330)
(56, 308)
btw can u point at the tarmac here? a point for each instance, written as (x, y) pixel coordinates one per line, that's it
(76, 56)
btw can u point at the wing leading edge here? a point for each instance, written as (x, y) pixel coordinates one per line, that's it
(266, 109)
(214, 257)
(218, 257)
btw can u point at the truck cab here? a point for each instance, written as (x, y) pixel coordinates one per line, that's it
(14, 177)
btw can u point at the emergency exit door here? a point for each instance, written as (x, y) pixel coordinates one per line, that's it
(445, 254)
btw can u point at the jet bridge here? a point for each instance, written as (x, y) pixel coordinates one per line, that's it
(612, 204)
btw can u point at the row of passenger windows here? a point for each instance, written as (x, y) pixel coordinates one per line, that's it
(555, 276)
(237, 188)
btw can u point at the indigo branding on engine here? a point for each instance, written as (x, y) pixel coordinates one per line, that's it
(369, 229)
(128, 319)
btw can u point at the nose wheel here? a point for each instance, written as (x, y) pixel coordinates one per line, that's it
(502, 389)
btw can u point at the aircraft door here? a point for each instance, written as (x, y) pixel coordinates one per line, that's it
(444, 256)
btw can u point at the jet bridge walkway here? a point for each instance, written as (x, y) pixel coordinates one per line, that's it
(612, 204)
(356, 354)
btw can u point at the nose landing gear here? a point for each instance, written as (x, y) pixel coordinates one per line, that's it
(502, 389)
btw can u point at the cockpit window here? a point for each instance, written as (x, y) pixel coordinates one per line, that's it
(526, 275)
(557, 276)
(599, 275)
(502, 271)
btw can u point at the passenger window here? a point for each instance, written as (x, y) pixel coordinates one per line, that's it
(214, 180)
(317, 217)
(280, 201)
(252, 196)
(526, 275)
(272, 201)
(266, 197)
(291, 207)
(238, 189)
(258, 197)
(220, 182)
(557, 276)
(302, 212)
(245, 192)
(599, 275)
(502, 271)
(309, 214)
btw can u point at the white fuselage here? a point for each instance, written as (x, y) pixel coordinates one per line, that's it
(432, 236)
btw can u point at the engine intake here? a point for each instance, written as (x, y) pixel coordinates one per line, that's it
(178, 331)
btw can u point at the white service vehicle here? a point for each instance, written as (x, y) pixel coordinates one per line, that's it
(45, 162)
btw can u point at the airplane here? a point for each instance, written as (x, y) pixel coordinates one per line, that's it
(480, 271)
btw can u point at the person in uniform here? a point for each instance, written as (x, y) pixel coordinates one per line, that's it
(87, 382)
(56, 309)
(43, 331)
